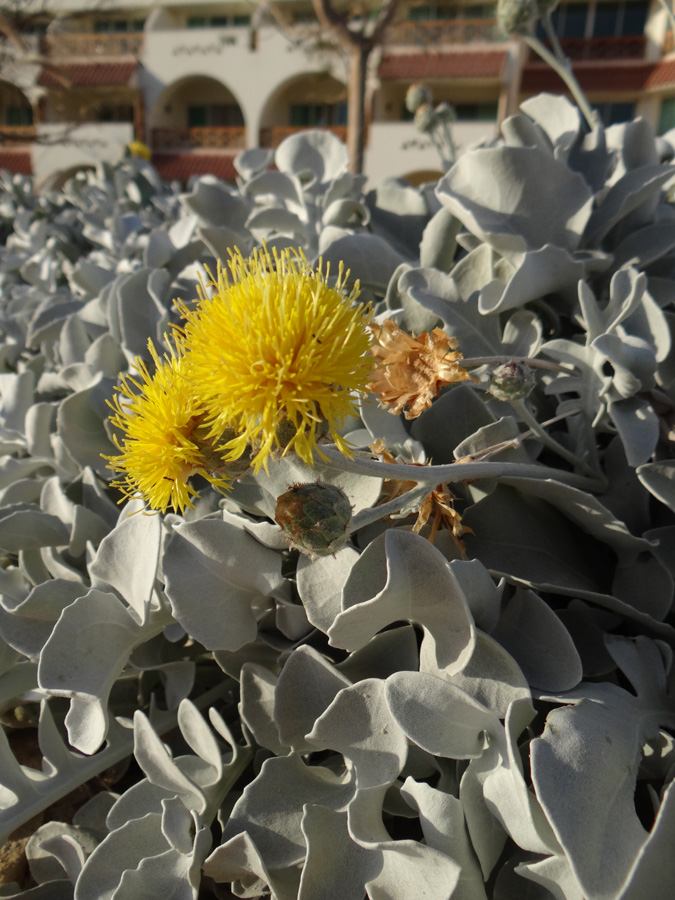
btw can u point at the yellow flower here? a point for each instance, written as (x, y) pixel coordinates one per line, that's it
(412, 369)
(278, 353)
(161, 445)
(140, 150)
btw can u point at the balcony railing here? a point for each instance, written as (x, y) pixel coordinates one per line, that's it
(16, 134)
(272, 137)
(221, 137)
(444, 31)
(87, 45)
(596, 49)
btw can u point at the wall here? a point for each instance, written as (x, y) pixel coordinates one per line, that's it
(81, 146)
(387, 157)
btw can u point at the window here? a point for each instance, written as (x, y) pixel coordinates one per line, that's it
(19, 115)
(667, 116)
(317, 115)
(606, 19)
(614, 113)
(574, 21)
(476, 112)
(428, 13)
(223, 21)
(118, 26)
(116, 113)
(634, 18)
(217, 115)
(617, 18)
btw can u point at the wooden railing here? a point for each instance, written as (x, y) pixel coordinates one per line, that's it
(596, 49)
(272, 137)
(209, 136)
(444, 31)
(86, 45)
(16, 134)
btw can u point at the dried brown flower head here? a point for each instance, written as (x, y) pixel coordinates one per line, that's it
(437, 507)
(411, 370)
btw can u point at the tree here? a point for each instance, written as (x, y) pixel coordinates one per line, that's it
(359, 42)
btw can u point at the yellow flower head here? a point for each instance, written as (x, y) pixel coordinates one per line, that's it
(161, 447)
(278, 353)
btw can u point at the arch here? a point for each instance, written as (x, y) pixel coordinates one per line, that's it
(321, 94)
(15, 107)
(172, 108)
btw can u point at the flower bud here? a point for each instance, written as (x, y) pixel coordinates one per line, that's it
(511, 381)
(516, 16)
(416, 96)
(446, 113)
(314, 517)
(425, 118)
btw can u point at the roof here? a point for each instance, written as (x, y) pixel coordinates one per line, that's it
(460, 64)
(626, 78)
(183, 165)
(16, 161)
(98, 74)
(662, 74)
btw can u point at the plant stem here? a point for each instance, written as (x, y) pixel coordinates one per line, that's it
(502, 360)
(375, 513)
(538, 430)
(455, 472)
(565, 71)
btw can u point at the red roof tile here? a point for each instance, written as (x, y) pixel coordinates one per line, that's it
(183, 165)
(662, 74)
(593, 77)
(16, 161)
(461, 64)
(99, 74)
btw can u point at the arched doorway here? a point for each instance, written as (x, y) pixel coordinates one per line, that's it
(197, 112)
(16, 115)
(311, 100)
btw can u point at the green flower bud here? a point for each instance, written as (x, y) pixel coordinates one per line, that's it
(425, 118)
(511, 381)
(416, 96)
(516, 16)
(446, 113)
(314, 517)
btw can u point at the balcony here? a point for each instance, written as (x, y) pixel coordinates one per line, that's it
(444, 31)
(11, 135)
(597, 49)
(211, 137)
(272, 137)
(92, 45)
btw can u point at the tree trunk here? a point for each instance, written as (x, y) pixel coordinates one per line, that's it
(356, 115)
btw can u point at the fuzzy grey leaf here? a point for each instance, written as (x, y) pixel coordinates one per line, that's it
(213, 572)
(359, 724)
(414, 699)
(383, 588)
(541, 645)
(270, 808)
(307, 686)
(659, 479)
(491, 191)
(606, 738)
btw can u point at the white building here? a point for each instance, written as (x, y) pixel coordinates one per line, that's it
(197, 82)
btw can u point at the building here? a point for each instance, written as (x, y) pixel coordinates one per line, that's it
(198, 82)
